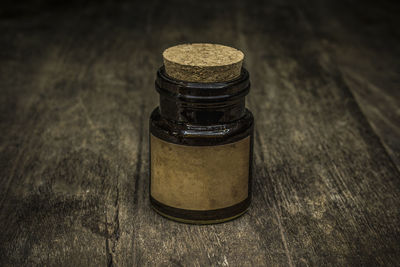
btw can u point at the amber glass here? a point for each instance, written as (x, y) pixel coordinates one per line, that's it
(202, 114)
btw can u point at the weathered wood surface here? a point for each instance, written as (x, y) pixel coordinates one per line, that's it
(76, 87)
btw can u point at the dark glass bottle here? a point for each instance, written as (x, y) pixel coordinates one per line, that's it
(201, 147)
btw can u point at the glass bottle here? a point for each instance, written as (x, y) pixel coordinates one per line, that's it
(201, 149)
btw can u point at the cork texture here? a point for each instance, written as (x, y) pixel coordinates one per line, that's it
(203, 62)
(199, 177)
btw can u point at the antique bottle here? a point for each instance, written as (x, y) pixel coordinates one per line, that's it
(201, 135)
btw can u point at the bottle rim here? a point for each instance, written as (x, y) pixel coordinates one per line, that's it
(202, 92)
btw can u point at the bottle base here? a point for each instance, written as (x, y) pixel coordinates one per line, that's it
(202, 222)
(201, 217)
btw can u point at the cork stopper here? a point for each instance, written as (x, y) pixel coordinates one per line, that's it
(203, 62)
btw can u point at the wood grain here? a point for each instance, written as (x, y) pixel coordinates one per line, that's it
(77, 87)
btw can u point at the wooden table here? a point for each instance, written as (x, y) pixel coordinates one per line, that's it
(77, 88)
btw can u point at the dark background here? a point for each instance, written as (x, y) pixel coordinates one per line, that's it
(77, 88)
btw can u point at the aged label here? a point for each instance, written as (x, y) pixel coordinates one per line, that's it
(199, 177)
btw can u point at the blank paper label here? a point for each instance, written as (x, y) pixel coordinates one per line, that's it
(199, 177)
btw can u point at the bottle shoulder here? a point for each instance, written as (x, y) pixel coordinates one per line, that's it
(193, 134)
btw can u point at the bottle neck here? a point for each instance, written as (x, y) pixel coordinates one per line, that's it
(201, 113)
(202, 103)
